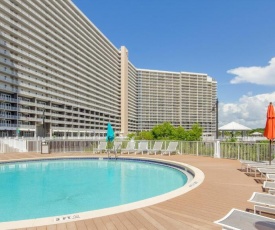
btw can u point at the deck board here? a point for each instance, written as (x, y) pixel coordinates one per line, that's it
(225, 187)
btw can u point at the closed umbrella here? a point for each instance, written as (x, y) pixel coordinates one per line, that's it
(269, 131)
(110, 133)
(109, 137)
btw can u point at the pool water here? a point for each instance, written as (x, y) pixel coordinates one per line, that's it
(37, 189)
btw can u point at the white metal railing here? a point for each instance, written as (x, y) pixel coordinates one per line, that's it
(230, 150)
(8, 145)
(7, 125)
(8, 98)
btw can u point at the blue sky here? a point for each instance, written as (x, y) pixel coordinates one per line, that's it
(232, 41)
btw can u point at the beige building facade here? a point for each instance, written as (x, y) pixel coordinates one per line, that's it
(181, 98)
(60, 76)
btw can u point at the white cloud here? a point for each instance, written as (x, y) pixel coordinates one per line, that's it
(254, 74)
(249, 110)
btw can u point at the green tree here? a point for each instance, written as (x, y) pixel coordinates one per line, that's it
(180, 133)
(131, 135)
(232, 139)
(195, 133)
(144, 135)
(260, 130)
(164, 131)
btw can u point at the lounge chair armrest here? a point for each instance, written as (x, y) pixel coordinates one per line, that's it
(260, 209)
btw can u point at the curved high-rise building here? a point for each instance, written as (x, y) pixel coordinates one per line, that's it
(59, 75)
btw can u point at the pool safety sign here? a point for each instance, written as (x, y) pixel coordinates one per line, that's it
(59, 219)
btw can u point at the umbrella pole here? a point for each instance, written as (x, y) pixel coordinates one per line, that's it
(108, 147)
(270, 152)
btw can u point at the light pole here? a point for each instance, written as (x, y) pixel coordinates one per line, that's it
(43, 120)
(217, 118)
(17, 125)
(216, 109)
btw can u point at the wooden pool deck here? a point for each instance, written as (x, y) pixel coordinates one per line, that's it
(225, 187)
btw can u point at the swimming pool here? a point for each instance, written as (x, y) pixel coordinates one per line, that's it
(63, 186)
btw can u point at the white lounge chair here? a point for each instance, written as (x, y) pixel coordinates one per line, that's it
(268, 185)
(258, 209)
(266, 166)
(102, 147)
(265, 171)
(251, 166)
(130, 148)
(244, 163)
(142, 147)
(263, 199)
(270, 177)
(237, 219)
(117, 146)
(156, 148)
(248, 161)
(172, 148)
(255, 164)
(263, 202)
(256, 168)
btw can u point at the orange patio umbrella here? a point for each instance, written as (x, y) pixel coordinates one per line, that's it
(269, 131)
